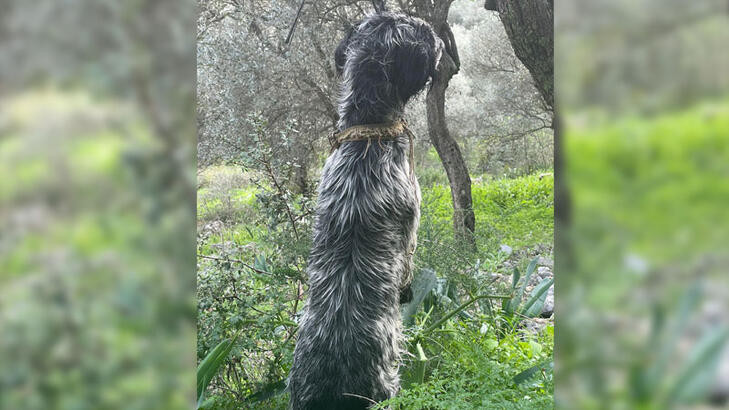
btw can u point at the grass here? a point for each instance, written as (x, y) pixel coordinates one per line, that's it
(648, 189)
(94, 304)
(477, 371)
(224, 194)
(467, 369)
(517, 212)
(641, 174)
(649, 217)
(514, 211)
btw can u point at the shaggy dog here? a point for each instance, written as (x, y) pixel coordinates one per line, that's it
(366, 219)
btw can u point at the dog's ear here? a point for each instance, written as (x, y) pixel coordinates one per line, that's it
(340, 54)
(415, 60)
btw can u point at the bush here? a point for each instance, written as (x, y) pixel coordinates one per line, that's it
(252, 280)
(476, 370)
(224, 194)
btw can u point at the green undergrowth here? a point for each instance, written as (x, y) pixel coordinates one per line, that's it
(476, 371)
(648, 190)
(648, 238)
(250, 252)
(639, 175)
(517, 212)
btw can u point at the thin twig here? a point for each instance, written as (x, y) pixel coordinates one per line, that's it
(269, 170)
(263, 272)
(293, 26)
(359, 397)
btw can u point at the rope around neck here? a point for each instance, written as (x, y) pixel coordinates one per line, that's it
(368, 132)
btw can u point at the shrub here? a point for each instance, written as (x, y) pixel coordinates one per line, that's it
(251, 280)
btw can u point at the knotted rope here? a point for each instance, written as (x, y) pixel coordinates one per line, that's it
(369, 132)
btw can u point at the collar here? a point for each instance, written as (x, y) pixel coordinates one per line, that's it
(368, 132)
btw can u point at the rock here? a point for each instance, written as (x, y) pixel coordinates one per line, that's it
(535, 325)
(501, 279)
(636, 264)
(545, 262)
(544, 272)
(548, 308)
(506, 249)
(226, 246)
(214, 227)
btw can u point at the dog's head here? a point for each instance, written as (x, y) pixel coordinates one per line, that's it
(387, 58)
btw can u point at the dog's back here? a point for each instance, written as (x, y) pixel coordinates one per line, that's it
(367, 215)
(366, 219)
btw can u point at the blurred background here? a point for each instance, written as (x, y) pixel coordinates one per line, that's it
(97, 216)
(642, 223)
(98, 219)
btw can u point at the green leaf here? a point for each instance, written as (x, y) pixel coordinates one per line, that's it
(534, 305)
(515, 278)
(420, 366)
(422, 284)
(528, 373)
(654, 376)
(207, 404)
(697, 373)
(512, 304)
(260, 263)
(417, 374)
(208, 367)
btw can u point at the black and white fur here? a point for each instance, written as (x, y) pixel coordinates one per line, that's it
(348, 346)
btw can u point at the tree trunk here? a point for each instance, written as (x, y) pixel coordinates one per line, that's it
(464, 220)
(530, 28)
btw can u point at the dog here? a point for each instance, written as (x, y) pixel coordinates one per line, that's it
(367, 216)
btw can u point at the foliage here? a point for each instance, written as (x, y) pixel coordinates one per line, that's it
(476, 371)
(244, 68)
(265, 256)
(516, 211)
(96, 308)
(209, 366)
(260, 257)
(513, 308)
(225, 195)
(631, 210)
(647, 195)
(610, 58)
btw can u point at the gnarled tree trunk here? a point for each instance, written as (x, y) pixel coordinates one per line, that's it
(529, 24)
(464, 220)
(530, 28)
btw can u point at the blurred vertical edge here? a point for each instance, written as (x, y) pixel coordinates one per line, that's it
(97, 171)
(97, 222)
(641, 258)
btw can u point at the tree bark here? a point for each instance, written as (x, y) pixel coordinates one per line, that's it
(464, 220)
(530, 28)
